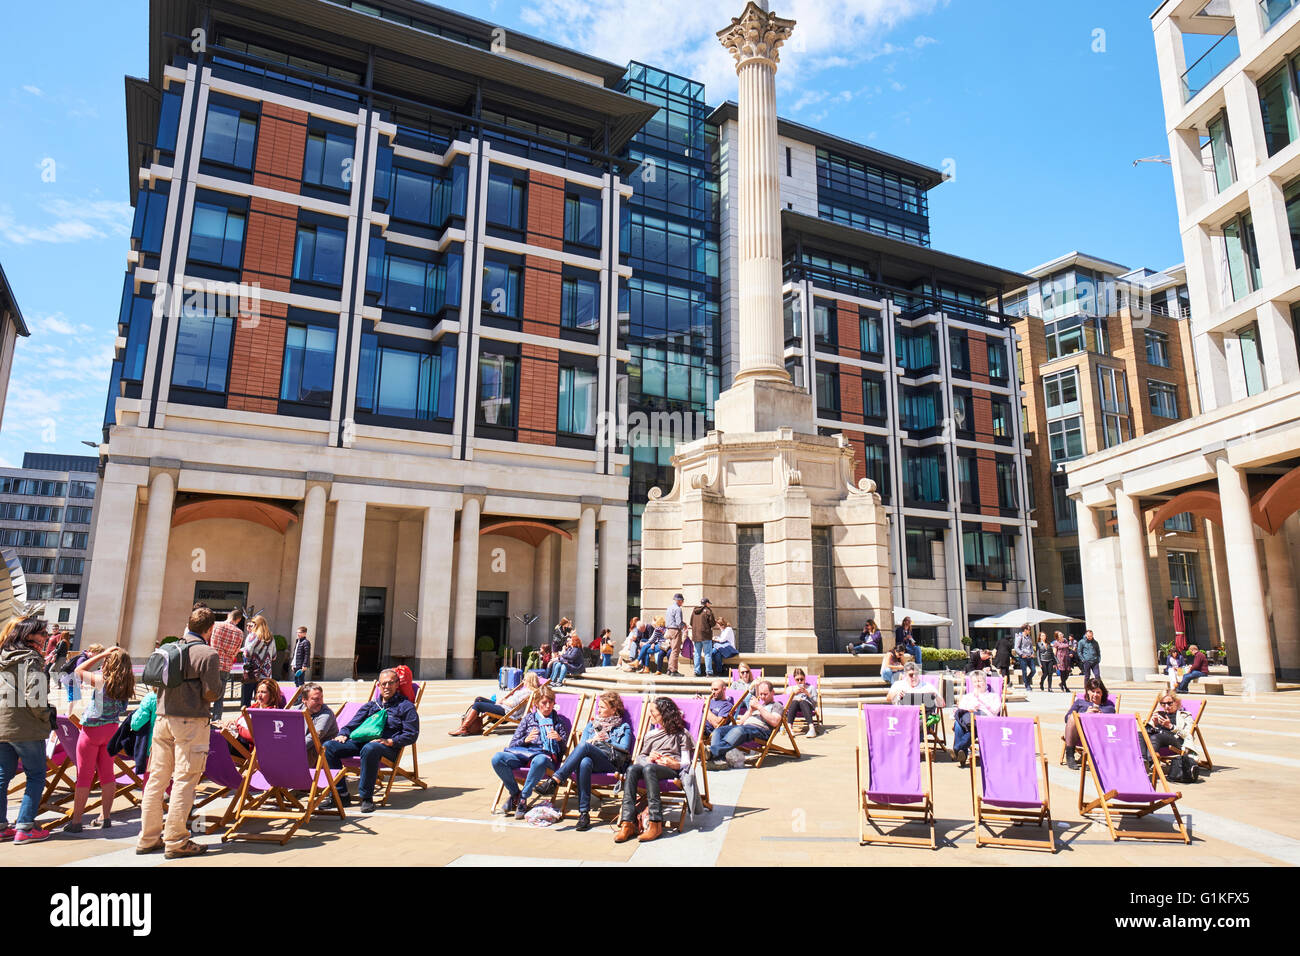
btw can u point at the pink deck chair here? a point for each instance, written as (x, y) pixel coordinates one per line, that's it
(572, 706)
(938, 734)
(1006, 786)
(813, 681)
(130, 786)
(634, 709)
(1112, 757)
(1195, 707)
(221, 778)
(996, 684)
(896, 793)
(389, 770)
(278, 767)
(671, 791)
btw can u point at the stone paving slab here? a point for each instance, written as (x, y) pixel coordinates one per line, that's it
(786, 813)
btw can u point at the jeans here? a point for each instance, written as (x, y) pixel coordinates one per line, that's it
(32, 754)
(961, 731)
(719, 664)
(584, 760)
(1027, 672)
(1045, 675)
(370, 753)
(559, 670)
(889, 676)
(505, 764)
(606, 660)
(247, 690)
(704, 659)
(1092, 669)
(651, 774)
(219, 705)
(485, 706)
(650, 650)
(729, 738)
(804, 708)
(864, 648)
(1188, 678)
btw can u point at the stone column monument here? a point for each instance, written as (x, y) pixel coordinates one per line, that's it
(764, 517)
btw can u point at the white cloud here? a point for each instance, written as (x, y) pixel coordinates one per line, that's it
(923, 41)
(34, 90)
(68, 221)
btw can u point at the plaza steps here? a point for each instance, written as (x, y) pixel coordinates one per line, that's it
(1216, 685)
(834, 692)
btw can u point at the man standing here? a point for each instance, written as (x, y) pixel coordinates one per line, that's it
(227, 640)
(673, 625)
(301, 658)
(179, 751)
(702, 624)
(1089, 653)
(1025, 654)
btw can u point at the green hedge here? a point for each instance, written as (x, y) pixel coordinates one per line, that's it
(942, 654)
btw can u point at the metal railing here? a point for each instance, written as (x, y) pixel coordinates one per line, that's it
(1210, 64)
(1271, 11)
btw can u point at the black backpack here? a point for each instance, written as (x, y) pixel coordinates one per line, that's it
(165, 667)
(1182, 769)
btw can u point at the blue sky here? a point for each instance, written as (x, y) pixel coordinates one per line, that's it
(1038, 108)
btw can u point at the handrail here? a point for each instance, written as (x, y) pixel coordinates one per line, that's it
(1188, 92)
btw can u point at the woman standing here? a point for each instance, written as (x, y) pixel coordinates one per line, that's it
(605, 641)
(664, 753)
(25, 722)
(259, 658)
(1064, 655)
(605, 748)
(1046, 662)
(111, 690)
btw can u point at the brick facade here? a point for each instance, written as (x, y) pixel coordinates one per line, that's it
(538, 392)
(545, 210)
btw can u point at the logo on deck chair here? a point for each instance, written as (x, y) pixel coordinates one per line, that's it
(893, 724)
(1007, 733)
(1110, 731)
(278, 728)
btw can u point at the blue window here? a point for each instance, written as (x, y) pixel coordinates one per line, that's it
(505, 201)
(498, 377)
(138, 319)
(580, 304)
(318, 255)
(873, 396)
(169, 118)
(411, 285)
(150, 217)
(202, 352)
(307, 373)
(582, 220)
(924, 477)
(412, 196)
(327, 161)
(997, 360)
(873, 339)
(502, 288)
(406, 384)
(229, 136)
(217, 236)
(578, 401)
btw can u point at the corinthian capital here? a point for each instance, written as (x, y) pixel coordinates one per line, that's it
(755, 35)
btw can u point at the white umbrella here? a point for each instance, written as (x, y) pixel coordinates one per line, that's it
(920, 618)
(1021, 616)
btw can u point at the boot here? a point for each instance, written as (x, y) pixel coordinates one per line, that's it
(626, 831)
(471, 724)
(653, 831)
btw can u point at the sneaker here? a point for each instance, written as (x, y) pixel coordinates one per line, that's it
(34, 835)
(520, 811)
(812, 731)
(99, 823)
(367, 806)
(850, 649)
(142, 850)
(187, 849)
(546, 787)
(584, 821)
(509, 808)
(73, 828)
(962, 756)
(7, 834)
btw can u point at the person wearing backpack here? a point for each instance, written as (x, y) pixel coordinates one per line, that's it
(186, 675)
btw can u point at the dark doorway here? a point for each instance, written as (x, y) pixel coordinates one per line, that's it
(493, 620)
(222, 596)
(370, 631)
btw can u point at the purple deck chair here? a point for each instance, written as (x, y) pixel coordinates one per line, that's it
(572, 707)
(996, 684)
(634, 709)
(129, 785)
(813, 681)
(1112, 699)
(896, 793)
(277, 768)
(1112, 755)
(223, 777)
(1005, 787)
(938, 734)
(389, 769)
(1195, 707)
(693, 710)
(493, 723)
(770, 745)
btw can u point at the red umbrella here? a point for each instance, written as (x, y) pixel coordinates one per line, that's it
(1180, 627)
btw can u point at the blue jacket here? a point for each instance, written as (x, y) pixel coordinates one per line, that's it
(574, 660)
(526, 726)
(401, 723)
(620, 738)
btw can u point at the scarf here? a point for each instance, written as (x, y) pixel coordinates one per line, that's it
(544, 727)
(605, 726)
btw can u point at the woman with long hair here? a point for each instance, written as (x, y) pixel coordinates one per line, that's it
(259, 658)
(1046, 661)
(663, 754)
(268, 696)
(569, 661)
(25, 722)
(1095, 700)
(472, 721)
(605, 748)
(111, 688)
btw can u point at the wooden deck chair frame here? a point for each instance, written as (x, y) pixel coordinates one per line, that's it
(240, 752)
(821, 717)
(895, 814)
(678, 798)
(1204, 761)
(491, 722)
(390, 770)
(200, 802)
(575, 732)
(288, 805)
(60, 787)
(1042, 817)
(571, 787)
(59, 801)
(938, 734)
(770, 745)
(1114, 812)
(1111, 696)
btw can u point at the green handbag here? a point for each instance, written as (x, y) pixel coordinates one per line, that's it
(372, 728)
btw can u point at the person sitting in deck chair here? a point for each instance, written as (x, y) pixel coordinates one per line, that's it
(804, 703)
(373, 738)
(979, 701)
(327, 728)
(718, 710)
(910, 691)
(756, 723)
(1171, 726)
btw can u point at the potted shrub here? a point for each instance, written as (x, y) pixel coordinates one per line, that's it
(487, 655)
(281, 665)
(1162, 653)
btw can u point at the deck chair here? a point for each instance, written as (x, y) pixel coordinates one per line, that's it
(1112, 758)
(60, 776)
(572, 706)
(996, 684)
(1112, 699)
(756, 671)
(813, 681)
(390, 770)
(938, 734)
(291, 694)
(771, 745)
(221, 778)
(603, 784)
(129, 784)
(509, 721)
(278, 767)
(1195, 707)
(670, 791)
(1006, 786)
(895, 793)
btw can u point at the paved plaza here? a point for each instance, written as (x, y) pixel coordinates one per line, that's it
(792, 813)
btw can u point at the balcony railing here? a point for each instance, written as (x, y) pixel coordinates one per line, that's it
(1271, 11)
(1211, 63)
